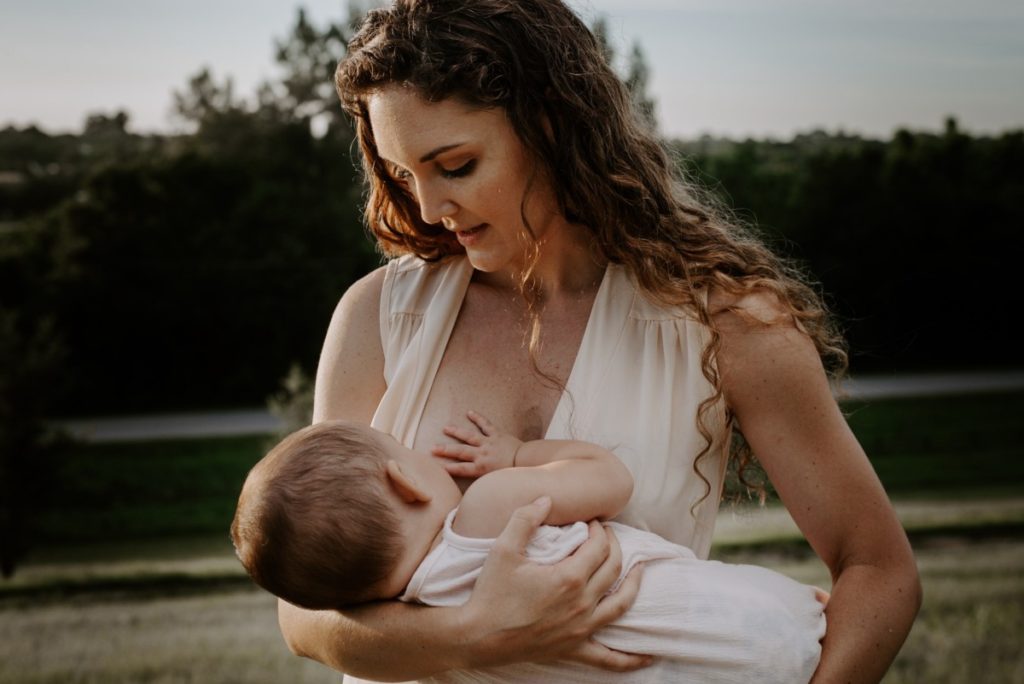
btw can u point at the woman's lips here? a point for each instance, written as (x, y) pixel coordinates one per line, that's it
(470, 236)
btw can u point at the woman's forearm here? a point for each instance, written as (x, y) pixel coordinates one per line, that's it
(869, 616)
(388, 641)
(519, 611)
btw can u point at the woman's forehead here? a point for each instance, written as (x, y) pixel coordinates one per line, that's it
(407, 127)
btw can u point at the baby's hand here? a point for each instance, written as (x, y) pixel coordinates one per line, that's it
(479, 451)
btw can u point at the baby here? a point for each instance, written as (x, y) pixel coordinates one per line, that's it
(339, 514)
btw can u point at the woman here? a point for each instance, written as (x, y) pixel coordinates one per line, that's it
(549, 251)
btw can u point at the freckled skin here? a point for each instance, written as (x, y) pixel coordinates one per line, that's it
(408, 128)
(487, 343)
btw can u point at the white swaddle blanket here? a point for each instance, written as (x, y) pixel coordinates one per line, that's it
(706, 621)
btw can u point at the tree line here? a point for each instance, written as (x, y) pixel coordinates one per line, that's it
(155, 272)
(193, 270)
(913, 239)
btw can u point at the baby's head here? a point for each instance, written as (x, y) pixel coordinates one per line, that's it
(314, 523)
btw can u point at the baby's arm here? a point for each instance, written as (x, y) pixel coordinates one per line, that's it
(707, 617)
(583, 480)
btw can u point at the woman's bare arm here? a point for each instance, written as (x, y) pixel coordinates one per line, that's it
(368, 641)
(391, 641)
(350, 375)
(777, 389)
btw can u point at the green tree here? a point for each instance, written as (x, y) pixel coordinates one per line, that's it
(104, 125)
(32, 358)
(205, 99)
(308, 57)
(636, 74)
(637, 80)
(913, 238)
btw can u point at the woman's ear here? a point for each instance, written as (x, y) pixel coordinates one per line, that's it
(405, 485)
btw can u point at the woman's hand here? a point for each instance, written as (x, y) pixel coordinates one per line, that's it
(521, 610)
(478, 451)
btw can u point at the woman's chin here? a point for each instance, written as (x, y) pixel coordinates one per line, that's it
(486, 262)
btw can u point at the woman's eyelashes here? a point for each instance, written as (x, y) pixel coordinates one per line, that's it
(405, 178)
(459, 172)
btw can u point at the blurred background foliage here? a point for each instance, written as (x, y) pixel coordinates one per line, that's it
(198, 271)
(193, 270)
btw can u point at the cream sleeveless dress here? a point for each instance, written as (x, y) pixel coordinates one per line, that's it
(634, 388)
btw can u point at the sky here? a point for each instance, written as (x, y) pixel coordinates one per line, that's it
(737, 68)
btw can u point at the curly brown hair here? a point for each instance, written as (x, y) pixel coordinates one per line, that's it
(537, 61)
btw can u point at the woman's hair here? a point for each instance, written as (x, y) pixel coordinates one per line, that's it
(538, 62)
(313, 525)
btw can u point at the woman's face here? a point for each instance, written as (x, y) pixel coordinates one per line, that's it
(467, 170)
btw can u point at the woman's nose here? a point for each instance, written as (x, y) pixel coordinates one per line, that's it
(435, 204)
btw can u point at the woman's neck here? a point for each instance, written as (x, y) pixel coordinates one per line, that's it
(568, 265)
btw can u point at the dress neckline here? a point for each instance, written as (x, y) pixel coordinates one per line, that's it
(439, 322)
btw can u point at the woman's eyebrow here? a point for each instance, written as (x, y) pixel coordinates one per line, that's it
(438, 150)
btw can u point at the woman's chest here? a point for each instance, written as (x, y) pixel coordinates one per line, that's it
(487, 367)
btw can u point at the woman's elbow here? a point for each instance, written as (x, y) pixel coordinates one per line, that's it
(900, 575)
(916, 588)
(904, 570)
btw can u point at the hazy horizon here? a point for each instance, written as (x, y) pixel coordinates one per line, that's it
(731, 68)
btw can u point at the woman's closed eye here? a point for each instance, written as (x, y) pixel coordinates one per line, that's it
(461, 171)
(403, 177)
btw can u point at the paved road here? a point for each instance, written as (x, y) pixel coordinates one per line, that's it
(260, 421)
(934, 384)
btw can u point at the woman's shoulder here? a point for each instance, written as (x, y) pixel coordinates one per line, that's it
(352, 354)
(411, 284)
(741, 312)
(400, 283)
(762, 347)
(362, 298)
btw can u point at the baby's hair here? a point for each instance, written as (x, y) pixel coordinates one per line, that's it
(313, 525)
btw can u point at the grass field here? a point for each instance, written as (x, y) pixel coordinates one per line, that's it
(952, 445)
(954, 465)
(948, 445)
(968, 630)
(970, 625)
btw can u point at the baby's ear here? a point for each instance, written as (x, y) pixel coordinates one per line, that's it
(405, 485)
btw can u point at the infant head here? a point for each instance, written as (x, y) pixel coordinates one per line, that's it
(314, 525)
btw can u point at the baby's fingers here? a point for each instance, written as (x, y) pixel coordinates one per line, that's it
(459, 452)
(464, 469)
(481, 422)
(470, 437)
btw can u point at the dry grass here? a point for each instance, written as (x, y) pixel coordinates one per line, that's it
(969, 629)
(226, 638)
